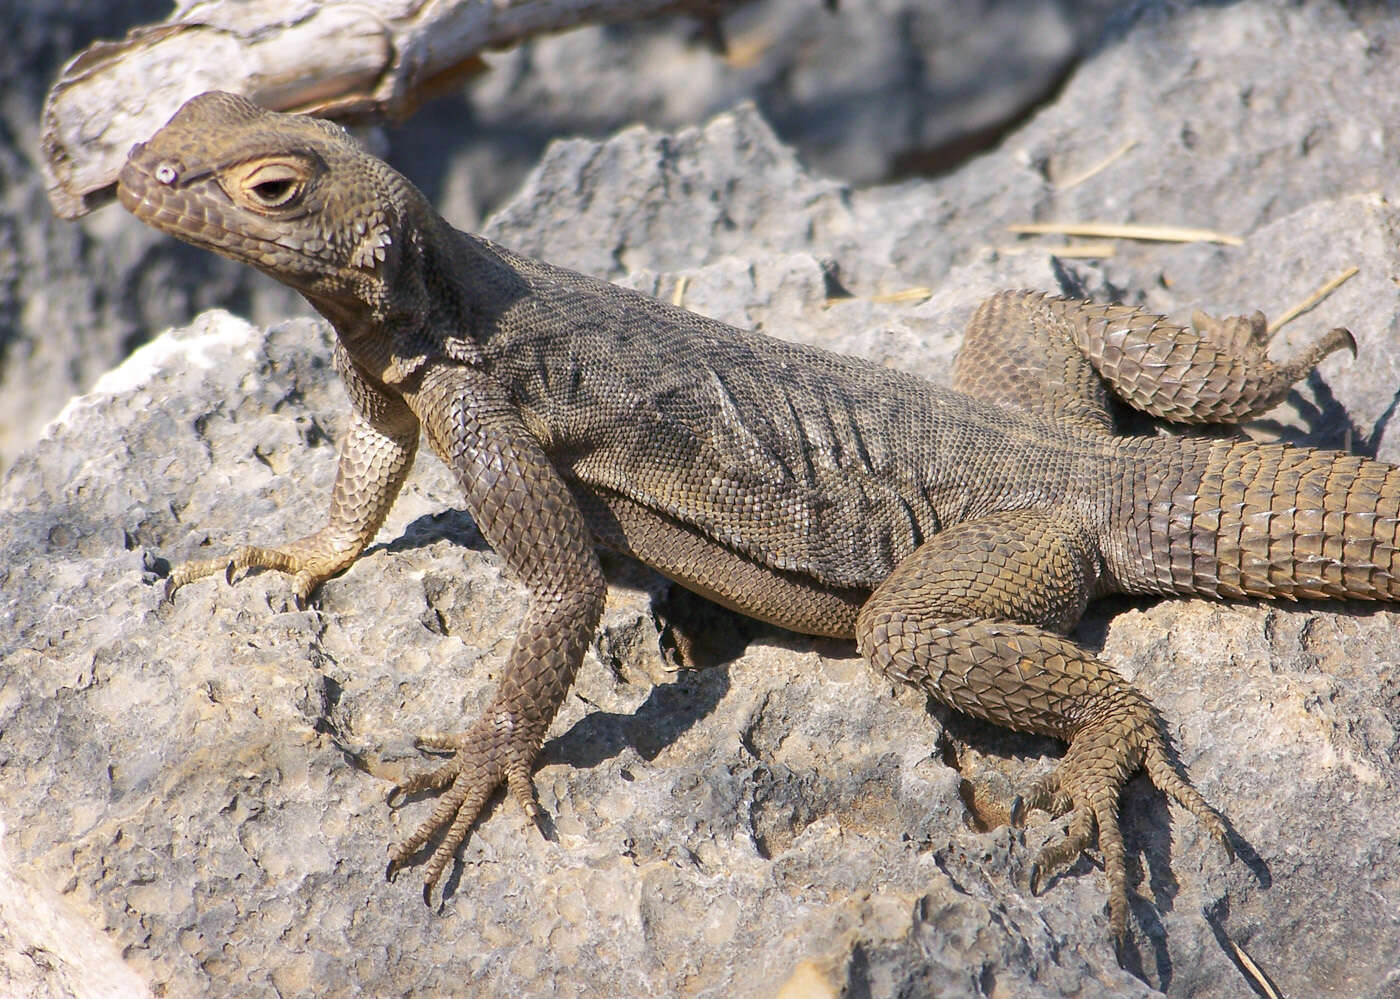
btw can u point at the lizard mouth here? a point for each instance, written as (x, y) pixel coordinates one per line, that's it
(132, 184)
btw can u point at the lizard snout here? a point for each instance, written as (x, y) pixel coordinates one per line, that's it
(132, 182)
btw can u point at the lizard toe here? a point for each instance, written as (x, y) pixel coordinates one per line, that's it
(1057, 853)
(1170, 781)
(483, 758)
(521, 784)
(428, 780)
(172, 586)
(468, 790)
(1098, 807)
(1100, 759)
(1044, 795)
(310, 561)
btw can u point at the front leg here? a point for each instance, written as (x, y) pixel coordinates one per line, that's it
(526, 513)
(375, 457)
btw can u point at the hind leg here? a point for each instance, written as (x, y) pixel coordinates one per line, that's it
(971, 617)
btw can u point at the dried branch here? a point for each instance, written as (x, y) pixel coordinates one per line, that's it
(340, 59)
(1127, 230)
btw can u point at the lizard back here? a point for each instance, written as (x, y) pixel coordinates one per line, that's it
(804, 460)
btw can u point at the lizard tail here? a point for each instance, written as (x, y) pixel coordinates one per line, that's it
(1280, 521)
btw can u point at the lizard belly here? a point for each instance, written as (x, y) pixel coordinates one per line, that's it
(687, 556)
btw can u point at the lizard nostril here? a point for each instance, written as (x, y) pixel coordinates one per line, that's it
(167, 174)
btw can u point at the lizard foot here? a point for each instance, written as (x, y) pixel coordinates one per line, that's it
(1248, 337)
(1087, 784)
(310, 561)
(489, 753)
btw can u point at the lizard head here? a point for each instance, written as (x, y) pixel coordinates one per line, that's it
(294, 196)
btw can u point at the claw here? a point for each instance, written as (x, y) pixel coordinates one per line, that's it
(1120, 948)
(522, 788)
(170, 588)
(229, 570)
(1035, 878)
(1018, 812)
(1259, 326)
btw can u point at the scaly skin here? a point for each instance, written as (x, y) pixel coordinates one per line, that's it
(956, 535)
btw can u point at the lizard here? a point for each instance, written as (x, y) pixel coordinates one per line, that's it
(956, 534)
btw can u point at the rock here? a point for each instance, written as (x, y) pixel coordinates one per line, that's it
(864, 89)
(51, 951)
(203, 782)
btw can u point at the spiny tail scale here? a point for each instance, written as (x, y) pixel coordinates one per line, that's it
(1249, 520)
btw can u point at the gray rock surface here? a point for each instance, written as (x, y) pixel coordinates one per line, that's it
(202, 781)
(865, 91)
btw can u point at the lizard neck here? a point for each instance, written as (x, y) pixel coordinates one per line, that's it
(419, 305)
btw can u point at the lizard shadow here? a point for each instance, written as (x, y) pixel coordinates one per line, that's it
(451, 525)
(1324, 421)
(1321, 421)
(670, 709)
(1258, 980)
(706, 638)
(711, 637)
(668, 712)
(714, 637)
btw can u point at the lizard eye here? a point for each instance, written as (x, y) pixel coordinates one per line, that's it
(273, 192)
(274, 185)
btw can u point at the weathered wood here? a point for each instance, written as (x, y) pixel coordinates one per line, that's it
(346, 60)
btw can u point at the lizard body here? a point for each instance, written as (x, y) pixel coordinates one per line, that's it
(955, 534)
